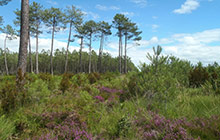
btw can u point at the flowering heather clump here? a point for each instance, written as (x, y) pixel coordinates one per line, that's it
(112, 100)
(109, 90)
(158, 127)
(206, 128)
(99, 98)
(50, 120)
(70, 129)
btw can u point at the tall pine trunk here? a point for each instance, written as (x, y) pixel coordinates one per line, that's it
(67, 48)
(37, 69)
(90, 52)
(22, 57)
(100, 53)
(30, 58)
(125, 59)
(119, 57)
(80, 55)
(5, 55)
(51, 53)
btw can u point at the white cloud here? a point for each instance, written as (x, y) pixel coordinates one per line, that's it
(155, 26)
(105, 8)
(51, 2)
(113, 45)
(154, 41)
(140, 3)
(101, 7)
(114, 8)
(194, 47)
(207, 36)
(201, 46)
(130, 14)
(91, 14)
(187, 7)
(13, 45)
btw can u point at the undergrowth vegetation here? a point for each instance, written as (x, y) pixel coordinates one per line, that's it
(170, 99)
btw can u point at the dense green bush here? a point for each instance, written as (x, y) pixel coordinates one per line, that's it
(9, 97)
(79, 79)
(45, 76)
(65, 82)
(93, 77)
(198, 76)
(38, 91)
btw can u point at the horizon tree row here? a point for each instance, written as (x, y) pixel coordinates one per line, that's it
(110, 63)
(57, 19)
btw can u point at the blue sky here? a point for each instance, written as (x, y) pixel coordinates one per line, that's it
(188, 29)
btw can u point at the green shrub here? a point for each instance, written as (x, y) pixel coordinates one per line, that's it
(65, 83)
(93, 77)
(80, 79)
(54, 83)
(14, 94)
(108, 76)
(45, 76)
(123, 126)
(198, 76)
(38, 90)
(9, 97)
(31, 77)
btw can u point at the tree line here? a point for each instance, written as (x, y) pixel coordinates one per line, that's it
(110, 63)
(57, 19)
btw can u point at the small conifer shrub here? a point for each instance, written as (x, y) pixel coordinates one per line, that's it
(65, 82)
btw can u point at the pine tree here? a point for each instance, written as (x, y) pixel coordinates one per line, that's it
(119, 23)
(4, 2)
(73, 16)
(81, 32)
(91, 29)
(53, 18)
(104, 29)
(10, 34)
(131, 33)
(36, 15)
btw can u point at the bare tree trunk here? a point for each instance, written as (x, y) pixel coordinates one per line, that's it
(100, 53)
(120, 54)
(80, 55)
(67, 48)
(30, 58)
(51, 53)
(125, 59)
(90, 52)
(22, 57)
(5, 55)
(37, 70)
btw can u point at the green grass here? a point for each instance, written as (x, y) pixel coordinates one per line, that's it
(192, 106)
(7, 128)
